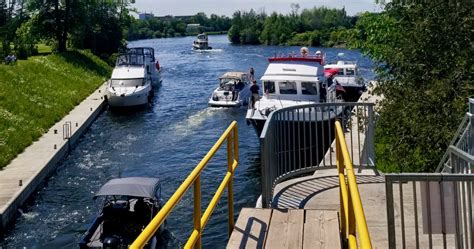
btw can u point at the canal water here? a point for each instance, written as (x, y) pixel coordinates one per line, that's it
(165, 140)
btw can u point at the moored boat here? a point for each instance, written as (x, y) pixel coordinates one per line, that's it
(347, 75)
(134, 78)
(291, 81)
(233, 90)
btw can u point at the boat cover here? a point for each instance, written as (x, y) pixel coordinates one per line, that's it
(131, 186)
(235, 75)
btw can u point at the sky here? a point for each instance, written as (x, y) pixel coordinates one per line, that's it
(228, 7)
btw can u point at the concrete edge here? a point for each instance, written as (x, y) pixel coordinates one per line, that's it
(9, 212)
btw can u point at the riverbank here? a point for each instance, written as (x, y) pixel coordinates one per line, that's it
(38, 92)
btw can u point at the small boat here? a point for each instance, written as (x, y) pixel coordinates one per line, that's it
(134, 78)
(348, 77)
(233, 90)
(201, 42)
(291, 81)
(128, 205)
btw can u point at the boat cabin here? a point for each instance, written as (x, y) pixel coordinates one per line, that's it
(298, 79)
(345, 68)
(232, 81)
(136, 57)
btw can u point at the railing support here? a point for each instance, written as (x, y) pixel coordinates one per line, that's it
(352, 212)
(230, 191)
(197, 211)
(199, 219)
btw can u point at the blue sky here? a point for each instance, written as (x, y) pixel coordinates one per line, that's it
(227, 7)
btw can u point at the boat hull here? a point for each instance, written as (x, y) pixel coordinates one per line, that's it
(131, 100)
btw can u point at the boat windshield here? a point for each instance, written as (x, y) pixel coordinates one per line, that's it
(127, 82)
(130, 59)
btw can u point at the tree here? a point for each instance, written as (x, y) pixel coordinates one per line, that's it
(424, 63)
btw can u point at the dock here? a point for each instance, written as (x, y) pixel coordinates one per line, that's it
(286, 228)
(311, 204)
(27, 172)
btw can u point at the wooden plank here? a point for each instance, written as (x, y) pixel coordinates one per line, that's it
(321, 229)
(286, 229)
(251, 228)
(294, 236)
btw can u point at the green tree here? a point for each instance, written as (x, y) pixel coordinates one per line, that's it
(424, 55)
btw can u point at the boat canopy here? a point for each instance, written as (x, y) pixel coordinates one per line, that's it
(234, 75)
(131, 186)
(293, 71)
(282, 78)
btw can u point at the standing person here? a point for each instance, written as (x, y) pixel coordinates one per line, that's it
(254, 90)
(252, 74)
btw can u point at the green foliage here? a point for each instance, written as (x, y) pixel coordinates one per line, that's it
(313, 27)
(38, 92)
(424, 64)
(170, 26)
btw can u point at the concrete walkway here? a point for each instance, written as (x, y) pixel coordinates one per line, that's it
(20, 179)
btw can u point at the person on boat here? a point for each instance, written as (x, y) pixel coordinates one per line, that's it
(252, 74)
(254, 90)
(318, 53)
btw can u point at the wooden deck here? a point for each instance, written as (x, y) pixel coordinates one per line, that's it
(290, 228)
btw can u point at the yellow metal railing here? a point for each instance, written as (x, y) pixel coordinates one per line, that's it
(352, 212)
(231, 136)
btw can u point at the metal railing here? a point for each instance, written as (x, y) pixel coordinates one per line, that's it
(231, 136)
(463, 139)
(297, 140)
(352, 212)
(432, 209)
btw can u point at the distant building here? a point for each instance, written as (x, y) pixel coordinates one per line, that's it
(193, 28)
(169, 17)
(145, 16)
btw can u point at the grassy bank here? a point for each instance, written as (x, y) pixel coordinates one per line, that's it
(38, 92)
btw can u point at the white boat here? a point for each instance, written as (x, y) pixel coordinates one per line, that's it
(291, 81)
(201, 42)
(233, 90)
(348, 77)
(134, 78)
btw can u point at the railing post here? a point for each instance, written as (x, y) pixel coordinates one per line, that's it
(197, 211)
(371, 135)
(470, 141)
(230, 193)
(390, 212)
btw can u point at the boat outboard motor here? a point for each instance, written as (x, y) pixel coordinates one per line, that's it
(112, 242)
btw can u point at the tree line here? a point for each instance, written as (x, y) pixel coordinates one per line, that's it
(170, 26)
(319, 26)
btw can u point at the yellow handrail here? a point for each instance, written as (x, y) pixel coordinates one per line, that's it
(352, 212)
(231, 135)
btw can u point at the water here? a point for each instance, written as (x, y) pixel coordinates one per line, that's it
(166, 140)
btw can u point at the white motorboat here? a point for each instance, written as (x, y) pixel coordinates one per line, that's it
(201, 42)
(134, 78)
(233, 90)
(291, 81)
(348, 77)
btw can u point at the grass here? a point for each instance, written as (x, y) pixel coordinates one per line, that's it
(38, 92)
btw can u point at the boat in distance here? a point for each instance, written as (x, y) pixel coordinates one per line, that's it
(292, 81)
(134, 78)
(233, 90)
(128, 205)
(201, 42)
(347, 75)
